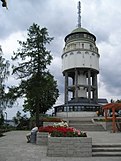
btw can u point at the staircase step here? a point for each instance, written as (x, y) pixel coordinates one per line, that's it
(108, 149)
(85, 124)
(106, 145)
(106, 154)
(80, 122)
(88, 127)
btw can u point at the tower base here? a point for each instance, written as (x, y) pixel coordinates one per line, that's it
(79, 109)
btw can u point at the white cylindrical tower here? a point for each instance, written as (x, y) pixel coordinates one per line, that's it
(80, 66)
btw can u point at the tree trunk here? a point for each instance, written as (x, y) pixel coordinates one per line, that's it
(37, 115)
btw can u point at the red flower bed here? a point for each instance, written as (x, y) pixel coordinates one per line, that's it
(46, 129)
(50, 129)
(62, 131)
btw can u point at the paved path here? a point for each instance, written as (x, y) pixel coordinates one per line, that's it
(105, 137)
(13, 147)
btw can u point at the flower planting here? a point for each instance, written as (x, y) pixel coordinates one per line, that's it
(65, 141)
(61, 131)
(61, 124)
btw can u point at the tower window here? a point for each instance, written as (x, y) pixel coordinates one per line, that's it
(91, 47)
(71, 53)
(78, 52)
(86, 52)
(85, 35)
(77, 35)
(78, 45)
(73, 46)
(82, 46)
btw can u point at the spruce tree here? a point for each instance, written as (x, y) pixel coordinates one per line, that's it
(37, 85)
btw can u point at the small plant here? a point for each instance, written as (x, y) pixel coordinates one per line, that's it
(61, 124)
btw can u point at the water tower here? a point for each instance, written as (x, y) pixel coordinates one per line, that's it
(80, 67)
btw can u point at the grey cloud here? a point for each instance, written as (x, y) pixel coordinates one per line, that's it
(21, 15)
(111, 74)
(102, 18)
(112, 82)
(47, 13)
(56, 71)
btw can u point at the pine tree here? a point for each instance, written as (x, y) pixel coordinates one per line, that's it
(37, 84)
(4, 73)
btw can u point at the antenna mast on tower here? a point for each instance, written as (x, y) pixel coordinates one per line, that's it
(79, 14)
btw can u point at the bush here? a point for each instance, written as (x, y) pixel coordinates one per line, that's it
(1, 120)
(67, 134)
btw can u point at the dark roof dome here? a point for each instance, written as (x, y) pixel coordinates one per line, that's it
(79, 29)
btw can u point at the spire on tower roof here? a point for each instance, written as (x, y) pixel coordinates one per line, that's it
(79, 14)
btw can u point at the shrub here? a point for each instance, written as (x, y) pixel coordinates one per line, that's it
(68, 134)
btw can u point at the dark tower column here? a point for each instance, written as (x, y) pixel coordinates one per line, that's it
(76, 84)
(89, 86)
(66, 87)
(95, 91)
(73, 83)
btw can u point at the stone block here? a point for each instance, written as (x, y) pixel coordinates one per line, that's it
(42, 138)
(61, 147)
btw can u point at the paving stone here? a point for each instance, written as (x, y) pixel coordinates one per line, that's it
(13, 147)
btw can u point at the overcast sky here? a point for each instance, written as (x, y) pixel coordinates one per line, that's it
(100, 17)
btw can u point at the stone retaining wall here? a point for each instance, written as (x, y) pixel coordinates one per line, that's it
(42, 138)
(76, 114)
(69, 147)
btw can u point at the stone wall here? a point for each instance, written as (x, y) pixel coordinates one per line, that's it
(69, 147)
(76, 114)
(42, 138)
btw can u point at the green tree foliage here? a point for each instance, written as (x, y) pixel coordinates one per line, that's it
(22, 122)
(41, 91)
(115, 101)
(1, 120)
(118, 101)
(4, 73)
(37, 85)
